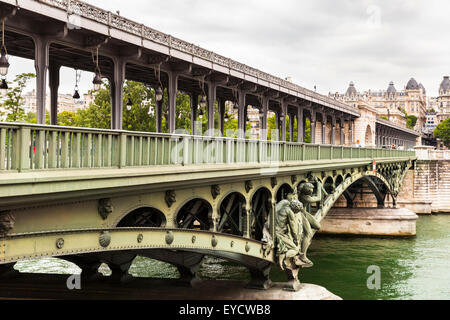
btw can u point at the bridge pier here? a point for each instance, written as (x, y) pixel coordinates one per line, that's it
(187, 263)
(370, 221)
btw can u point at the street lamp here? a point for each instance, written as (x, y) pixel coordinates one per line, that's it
(159, 91)
(76, 95)
(159, 94)
(200, 114)
(3, 87)
(129, 104)
(4, 63)
(203, 102)
(98, 76)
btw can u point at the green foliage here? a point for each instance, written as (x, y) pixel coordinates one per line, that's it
(411, 121)
(98, 114)
(272, 126)
(13, 103)
(139, 116)
(384, 117)
(443, 132)
(66, 119)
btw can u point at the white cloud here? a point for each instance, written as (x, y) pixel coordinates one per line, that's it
(325, 42)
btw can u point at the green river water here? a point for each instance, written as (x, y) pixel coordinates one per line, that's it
(413, 268)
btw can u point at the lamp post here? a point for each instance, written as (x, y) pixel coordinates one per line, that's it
(4, 63)
(76, 94)
(98, 76)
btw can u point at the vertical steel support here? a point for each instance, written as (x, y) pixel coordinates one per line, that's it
(241, 116)
(324, 125)
(194, 106)
(212, 92)
(117, 83)
(222, 117)
(54, 85)
(283, 122)
(313, 126)
(333, 131)
(173, 89)
(41, 63)
(291, 127)
(342, 132)
(300, 126)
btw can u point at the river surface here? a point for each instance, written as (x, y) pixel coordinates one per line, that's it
(413, 268)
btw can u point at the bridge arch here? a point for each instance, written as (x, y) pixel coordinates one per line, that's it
(195, 214)
(142, 216)
(232, 214)
(375, 182)
(283, 190)
(329, 185)
(338, 180)
(261, 209)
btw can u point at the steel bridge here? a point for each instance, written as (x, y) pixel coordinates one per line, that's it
(91, 196)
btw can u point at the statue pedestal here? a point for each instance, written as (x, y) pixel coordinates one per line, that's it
(236, 290)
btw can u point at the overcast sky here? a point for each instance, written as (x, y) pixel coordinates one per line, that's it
(326, 43)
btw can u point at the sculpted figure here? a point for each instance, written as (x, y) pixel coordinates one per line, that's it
(288, 231)
(105, 208)
(7, 221)
(267, 240)
(306, 193)
(310, 222)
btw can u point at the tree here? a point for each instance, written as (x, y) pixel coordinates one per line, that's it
(411, 121)
(13, 103)
(98, 114)
(443, 132)
(67, 119)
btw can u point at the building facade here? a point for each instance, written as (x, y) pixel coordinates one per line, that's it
(391, 104)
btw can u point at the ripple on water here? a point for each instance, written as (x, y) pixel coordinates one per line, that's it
(413, 268)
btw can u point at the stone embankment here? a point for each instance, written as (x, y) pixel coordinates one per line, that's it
(426, 189)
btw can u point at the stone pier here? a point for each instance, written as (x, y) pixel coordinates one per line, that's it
(370, 221)
(426, 189)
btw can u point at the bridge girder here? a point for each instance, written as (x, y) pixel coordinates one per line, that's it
(29, 239)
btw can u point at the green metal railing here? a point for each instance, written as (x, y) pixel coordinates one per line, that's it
(26, 147)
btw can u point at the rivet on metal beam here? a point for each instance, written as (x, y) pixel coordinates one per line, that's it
(194, 238)
(247, 247)
(140, 238)
(232, 244)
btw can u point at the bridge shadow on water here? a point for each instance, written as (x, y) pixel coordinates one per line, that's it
(411, 268)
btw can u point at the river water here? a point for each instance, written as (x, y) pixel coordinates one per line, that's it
(413, 268)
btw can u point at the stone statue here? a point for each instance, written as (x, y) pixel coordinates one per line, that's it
(295, 227)
(7, 221)
(267, 240)
(105, 208)
(306, 194)
(288, 231)
(310, 222)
